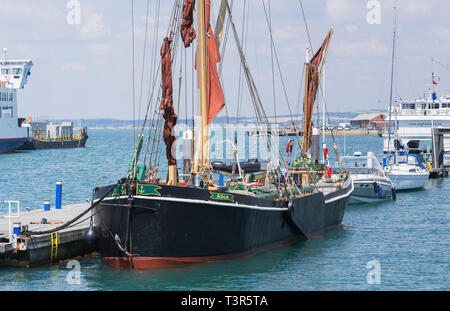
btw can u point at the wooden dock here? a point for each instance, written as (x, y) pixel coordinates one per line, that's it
(28, 251)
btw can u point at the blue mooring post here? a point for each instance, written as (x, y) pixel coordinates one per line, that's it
(220, 180)
(16, 228)
(46, 205)
(58, 195)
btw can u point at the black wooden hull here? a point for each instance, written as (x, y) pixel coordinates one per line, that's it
(177, 225)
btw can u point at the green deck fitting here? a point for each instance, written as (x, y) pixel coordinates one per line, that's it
(137, 152)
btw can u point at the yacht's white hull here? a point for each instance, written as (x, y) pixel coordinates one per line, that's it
(403, 181)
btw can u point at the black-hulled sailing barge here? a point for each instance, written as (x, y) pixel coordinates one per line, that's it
(145, 222)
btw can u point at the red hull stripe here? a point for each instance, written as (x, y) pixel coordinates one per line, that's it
(168, 262)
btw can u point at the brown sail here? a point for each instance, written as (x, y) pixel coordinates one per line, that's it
(313, 70)
(187, 31)
(167, 101)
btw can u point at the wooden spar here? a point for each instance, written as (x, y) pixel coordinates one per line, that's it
(325, 55)
(220, 22)
(201, 27)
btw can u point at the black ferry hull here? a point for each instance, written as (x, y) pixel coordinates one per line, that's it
(39, 144)
(167, 229)
(35, 144)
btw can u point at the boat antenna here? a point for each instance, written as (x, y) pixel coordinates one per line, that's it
(392, 78)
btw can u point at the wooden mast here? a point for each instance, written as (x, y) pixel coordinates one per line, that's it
(305, 101)
(202, 82)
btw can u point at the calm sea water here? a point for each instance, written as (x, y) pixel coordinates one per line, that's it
(410, 237)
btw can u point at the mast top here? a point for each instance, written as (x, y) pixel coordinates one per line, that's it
(308, 49)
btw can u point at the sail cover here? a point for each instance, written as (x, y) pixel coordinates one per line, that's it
(187, 31)
(312, 83)
(216, 100)
(167, 101)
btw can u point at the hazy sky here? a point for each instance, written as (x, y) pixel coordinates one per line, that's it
(84, 70)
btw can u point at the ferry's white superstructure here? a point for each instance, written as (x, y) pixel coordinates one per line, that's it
(416, 119)
(13, 76)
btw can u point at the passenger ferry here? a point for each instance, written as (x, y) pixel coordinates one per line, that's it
(415, 120)
(13, 76)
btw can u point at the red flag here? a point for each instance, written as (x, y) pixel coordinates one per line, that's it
(435, 83)
(215, 97)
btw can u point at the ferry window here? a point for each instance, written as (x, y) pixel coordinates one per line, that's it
(404, 106)
(444, 105)
(7, 112)
(17, 71)
(5, 71)
(412, 106)
(436, 106)
(424, 106)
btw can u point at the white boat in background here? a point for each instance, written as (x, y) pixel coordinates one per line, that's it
(370, 181)
(407, 171)
(416, 119)
(13, 76)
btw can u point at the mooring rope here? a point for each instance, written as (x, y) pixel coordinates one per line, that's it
(70, 222)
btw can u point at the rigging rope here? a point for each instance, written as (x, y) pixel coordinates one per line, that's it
(143, 59)
(133, 83)
(272, 43)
